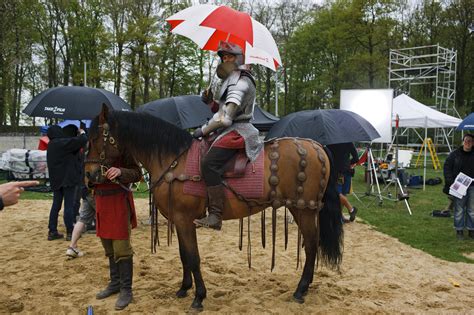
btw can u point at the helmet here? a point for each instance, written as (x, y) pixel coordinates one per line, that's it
(233, 49)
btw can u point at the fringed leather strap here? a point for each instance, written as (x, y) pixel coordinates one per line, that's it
(249, 245)
(262, 222)
(274, 219)
(241, 232)
(170, 215)
(154, 223)
(286, 228)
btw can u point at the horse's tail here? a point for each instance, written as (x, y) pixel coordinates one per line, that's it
(331, 233)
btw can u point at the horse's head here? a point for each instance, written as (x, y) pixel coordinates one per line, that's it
(103, 149)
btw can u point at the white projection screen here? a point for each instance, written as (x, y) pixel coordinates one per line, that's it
(375, 105)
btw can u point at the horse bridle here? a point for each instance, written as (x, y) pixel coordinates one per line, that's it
(102, 161)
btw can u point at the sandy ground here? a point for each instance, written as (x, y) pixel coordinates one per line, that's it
(378, 274)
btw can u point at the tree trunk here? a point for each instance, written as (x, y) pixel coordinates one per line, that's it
(268, 85)
(146, 74)
(134, 78)
(118, 75)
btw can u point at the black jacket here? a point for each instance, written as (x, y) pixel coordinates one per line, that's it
(62, 156)
(457, 161)
(341, 153)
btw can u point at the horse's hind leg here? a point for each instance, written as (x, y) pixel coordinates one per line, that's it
(306, 222)
(188, 250)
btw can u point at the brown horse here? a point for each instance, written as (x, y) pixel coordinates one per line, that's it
(297, 174)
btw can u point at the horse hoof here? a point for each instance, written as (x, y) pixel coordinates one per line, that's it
(197, 306)
(298, 298)
(181, 293)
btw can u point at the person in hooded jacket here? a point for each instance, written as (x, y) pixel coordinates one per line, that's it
(64, 176)
(461, 160)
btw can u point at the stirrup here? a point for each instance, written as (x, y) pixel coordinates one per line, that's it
(205, 224)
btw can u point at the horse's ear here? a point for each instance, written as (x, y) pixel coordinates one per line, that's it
(103, 114)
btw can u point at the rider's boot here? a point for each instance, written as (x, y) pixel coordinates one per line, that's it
(126, 279)
(216, 196)
(114, 284)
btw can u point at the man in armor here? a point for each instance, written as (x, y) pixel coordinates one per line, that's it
(233, 109)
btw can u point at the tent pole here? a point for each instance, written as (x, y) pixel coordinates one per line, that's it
(447, 141)
(424, 145)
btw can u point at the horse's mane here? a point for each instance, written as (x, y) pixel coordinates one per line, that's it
(145, 133)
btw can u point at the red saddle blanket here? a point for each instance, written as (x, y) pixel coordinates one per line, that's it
(249, 186)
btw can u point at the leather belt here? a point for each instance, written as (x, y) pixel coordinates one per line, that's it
(109, 192)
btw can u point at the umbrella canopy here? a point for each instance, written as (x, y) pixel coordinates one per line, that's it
(207, 25)
(186, 111)
(327, 126)
(73, 102)
(263, 120)
(467, 123)
(76, 123)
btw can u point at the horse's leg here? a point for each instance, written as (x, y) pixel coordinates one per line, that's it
(189, 250)
(187, 278)
(306, 222)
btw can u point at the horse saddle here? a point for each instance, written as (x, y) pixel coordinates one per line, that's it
(235, 167)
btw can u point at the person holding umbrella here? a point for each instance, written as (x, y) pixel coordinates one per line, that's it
(341, 153)
(64, 175)
(230, 124)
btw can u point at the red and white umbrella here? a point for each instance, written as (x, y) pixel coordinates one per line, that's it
(207, 25)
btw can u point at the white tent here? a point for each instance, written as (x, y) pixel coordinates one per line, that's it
(413, 114)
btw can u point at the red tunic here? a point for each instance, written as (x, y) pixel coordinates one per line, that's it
(232, 140)
(114, 212)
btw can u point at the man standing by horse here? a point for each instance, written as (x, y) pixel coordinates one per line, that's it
(230, 125)
(115, 219)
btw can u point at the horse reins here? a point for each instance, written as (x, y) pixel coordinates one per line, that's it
(102, 161)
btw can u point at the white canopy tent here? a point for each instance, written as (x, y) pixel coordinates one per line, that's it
(413, 114)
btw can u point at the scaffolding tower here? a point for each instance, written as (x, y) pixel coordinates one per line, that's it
(427, 73)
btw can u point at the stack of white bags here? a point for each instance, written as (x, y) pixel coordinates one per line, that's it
(25, 164)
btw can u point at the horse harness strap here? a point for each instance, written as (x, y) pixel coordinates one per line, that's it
(102, 161)
(166, 173)
(274, 180)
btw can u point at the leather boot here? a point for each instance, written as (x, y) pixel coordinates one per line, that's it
(213, 220)
(126, 279)
(114, 284)
(471, 234)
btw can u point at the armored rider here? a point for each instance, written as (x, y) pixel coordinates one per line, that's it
(233, 109)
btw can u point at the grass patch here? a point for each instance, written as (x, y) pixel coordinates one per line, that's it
(433, 235)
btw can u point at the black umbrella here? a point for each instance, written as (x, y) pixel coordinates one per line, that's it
(263, 120)
(187, 111)
(327, 126)
(73, 102)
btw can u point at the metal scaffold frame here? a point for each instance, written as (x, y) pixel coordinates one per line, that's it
(432, 66)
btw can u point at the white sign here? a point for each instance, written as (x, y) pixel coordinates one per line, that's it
(375, 105)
